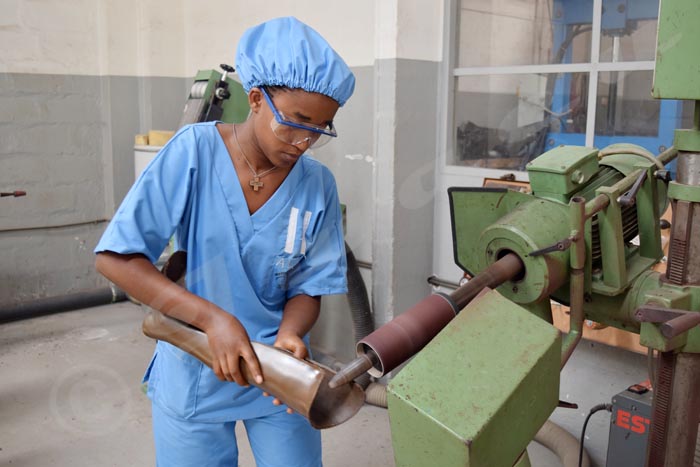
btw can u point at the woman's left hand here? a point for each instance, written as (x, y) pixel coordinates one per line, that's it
(295, 345)
(300, 314)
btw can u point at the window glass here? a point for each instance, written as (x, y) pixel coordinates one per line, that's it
(629, 40)
(523, 32)
(626, 112)
(625, 106)
(504, 121)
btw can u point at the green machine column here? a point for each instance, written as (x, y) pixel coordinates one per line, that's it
(676, 399)
(677, 76)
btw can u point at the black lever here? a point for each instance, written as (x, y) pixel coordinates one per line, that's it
(16, 193)
(561, 245)
(630, 198)
(222, 92)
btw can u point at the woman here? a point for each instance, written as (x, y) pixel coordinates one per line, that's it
(261, 225)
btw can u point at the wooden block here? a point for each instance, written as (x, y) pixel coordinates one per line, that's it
(159, 137)
(597, 332)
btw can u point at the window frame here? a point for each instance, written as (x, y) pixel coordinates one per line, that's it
(449, 73)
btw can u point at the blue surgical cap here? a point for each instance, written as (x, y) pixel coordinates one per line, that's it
(287, 52)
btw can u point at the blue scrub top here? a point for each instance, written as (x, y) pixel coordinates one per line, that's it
(248, 265)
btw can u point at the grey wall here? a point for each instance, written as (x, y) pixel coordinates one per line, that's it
(351, 159)
(51, 136)
(48, 262)
(384, 162)
(406, 118)
(415, 162)
(137, 105)
(68, 142)
(51, 145)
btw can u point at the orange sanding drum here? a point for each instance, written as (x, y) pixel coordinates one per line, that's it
(408, 333)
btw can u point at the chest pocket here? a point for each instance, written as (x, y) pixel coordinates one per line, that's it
(294, 247)
(284, 265)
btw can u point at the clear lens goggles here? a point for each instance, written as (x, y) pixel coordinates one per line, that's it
(295, 133)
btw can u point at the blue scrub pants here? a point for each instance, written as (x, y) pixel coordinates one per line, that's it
(277, 440)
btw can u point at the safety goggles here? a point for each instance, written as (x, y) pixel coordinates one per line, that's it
(295, 133)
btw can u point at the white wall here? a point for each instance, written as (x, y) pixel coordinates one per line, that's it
(48, 37)
(142, 38)
(161, 37)
(213, 28)
(410, 29)
(174, 37)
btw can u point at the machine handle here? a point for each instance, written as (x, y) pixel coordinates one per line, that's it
(630, 198)
(227, 69)
(561, 245)
(673, 322)
(16, 193)
(222, 93)
(677, 326)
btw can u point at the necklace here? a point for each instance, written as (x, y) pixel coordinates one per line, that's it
(255, 183)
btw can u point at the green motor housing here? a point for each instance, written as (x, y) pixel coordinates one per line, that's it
(621, 241)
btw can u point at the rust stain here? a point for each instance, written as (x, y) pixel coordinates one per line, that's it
(500, 198)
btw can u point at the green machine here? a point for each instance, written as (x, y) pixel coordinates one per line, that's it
(484, 375)
(215, 96)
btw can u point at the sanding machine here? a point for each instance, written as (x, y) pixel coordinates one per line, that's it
(215, 96)
(484, 375)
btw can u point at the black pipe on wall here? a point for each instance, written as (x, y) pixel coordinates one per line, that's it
(61, 303)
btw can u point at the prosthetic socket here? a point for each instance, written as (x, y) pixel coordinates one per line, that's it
(301, 384)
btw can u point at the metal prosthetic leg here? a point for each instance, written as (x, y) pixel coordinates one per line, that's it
(301, 384)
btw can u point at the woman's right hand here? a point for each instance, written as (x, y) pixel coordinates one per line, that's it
(227, 338)
(229, 343)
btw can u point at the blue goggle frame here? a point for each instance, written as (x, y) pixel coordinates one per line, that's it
(282, 121)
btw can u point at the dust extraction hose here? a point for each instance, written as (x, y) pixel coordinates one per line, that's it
(358, 301)
(562, 443)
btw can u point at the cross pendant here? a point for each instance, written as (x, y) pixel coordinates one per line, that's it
(256, 183)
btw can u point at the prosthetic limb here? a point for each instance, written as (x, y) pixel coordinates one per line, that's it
(301, 384)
